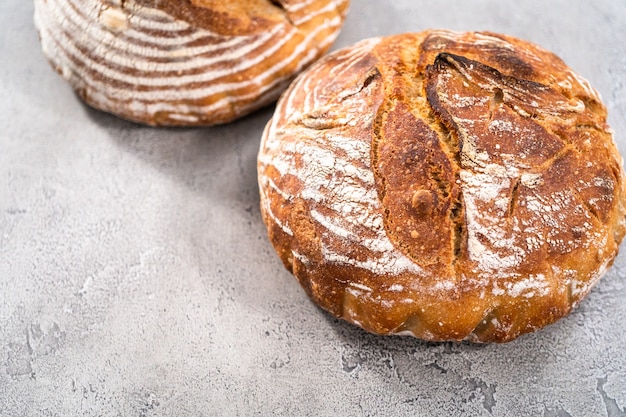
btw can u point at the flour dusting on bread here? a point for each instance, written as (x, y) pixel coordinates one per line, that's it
(184, 63)
(444, 185)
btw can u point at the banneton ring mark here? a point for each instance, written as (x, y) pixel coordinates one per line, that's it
(183, 63)
(444, 185)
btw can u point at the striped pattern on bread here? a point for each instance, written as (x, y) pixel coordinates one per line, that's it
(174, 63)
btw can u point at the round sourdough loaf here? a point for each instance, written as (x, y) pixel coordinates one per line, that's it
(184, 62)
(444, 185)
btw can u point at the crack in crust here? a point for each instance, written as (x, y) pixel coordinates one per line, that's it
(458, 185)
(283, 8)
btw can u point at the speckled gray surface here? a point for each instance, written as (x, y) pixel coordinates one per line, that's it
(136, 278)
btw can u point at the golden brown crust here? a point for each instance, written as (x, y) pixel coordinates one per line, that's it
(184, 63)
(229, 18)
(446, 185)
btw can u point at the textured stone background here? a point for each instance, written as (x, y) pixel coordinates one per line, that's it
(136, 278)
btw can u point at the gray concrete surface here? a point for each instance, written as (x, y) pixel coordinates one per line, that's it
(136, 278)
